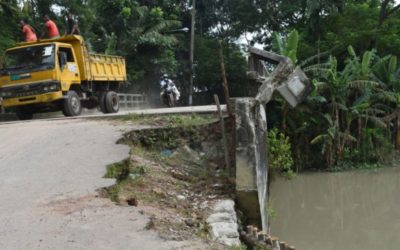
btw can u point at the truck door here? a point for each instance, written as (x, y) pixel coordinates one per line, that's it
(68, 68)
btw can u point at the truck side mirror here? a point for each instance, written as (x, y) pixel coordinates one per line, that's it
(62, 57)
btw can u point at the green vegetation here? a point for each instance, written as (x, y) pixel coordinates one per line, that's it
(350, 118)
(169, 131)
(170, 121)
(127, 174)
(279, 154)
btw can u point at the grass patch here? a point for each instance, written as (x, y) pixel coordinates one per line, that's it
(166, 138)
(190, 120)
(127, 174)
(166, 120)
(118, 171)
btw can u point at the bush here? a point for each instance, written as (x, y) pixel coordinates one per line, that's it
(279, 153)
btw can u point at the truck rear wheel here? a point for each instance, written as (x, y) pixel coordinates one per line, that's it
(112, 102)
(102, 102)
(24, 114)
(109, 102)
(72, 104)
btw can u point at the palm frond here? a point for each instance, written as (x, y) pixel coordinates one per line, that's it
(375, 120)
(291, 45)
(387, 96)
(366, 62)
(363, 84)
(392, 67)
(155, 38)
(316, 57)
(320, 139)
(316, 67)
(362, 99)
(373, 111)
(277, 43)
(338, 105)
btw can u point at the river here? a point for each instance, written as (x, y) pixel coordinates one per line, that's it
(348, 211)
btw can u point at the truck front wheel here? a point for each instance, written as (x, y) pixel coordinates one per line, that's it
(72, 104)
(23, 113)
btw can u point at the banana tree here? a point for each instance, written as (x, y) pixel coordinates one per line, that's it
(388, 71)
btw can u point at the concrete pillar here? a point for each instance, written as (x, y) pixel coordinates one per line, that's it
(251, 159)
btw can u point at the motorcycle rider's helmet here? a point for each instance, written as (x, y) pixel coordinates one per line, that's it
(165, 76)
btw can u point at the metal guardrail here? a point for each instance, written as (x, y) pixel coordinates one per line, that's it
(127, 101)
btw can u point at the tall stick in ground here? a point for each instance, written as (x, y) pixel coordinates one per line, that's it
(225, 80)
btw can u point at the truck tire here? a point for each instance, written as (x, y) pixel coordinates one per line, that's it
(72, 104)
(102, 102)
(111, 102)
(24, 114)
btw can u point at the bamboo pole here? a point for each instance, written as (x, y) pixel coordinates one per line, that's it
(225, 80)
(224, 139)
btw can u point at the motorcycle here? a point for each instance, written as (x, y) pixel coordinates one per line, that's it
(169, 93)
(168, 98)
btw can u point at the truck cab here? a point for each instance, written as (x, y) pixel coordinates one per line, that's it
(59, 74)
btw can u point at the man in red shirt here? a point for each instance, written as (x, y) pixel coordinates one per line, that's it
(50, 27)
(28, 31)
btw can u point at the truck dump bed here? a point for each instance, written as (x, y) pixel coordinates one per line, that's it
(106, 68)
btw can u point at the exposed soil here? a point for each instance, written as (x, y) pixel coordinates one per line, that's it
(174, 175)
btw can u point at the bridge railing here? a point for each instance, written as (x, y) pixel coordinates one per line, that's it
(131, 101)
(126, 101)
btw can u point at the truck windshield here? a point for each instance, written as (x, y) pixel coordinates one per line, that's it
(28, 59)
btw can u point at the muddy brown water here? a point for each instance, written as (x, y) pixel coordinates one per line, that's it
(347, 211)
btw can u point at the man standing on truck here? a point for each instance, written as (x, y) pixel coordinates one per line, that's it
(72, 25)
(28, 31)
(50, 27)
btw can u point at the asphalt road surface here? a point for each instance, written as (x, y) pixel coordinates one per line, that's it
(93, 114)
(49, 173)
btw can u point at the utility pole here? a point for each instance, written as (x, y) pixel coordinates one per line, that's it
(193, 10)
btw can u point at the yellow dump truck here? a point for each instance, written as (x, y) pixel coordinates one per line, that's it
(59, 74)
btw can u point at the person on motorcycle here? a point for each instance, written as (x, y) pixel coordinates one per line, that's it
(167, 84)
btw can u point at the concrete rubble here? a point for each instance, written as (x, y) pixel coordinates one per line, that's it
(223, 223)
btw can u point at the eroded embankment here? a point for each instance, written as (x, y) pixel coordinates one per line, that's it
(174, 175)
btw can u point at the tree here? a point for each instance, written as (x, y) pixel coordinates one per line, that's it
(9, 20)
(140, 34)
(208, 72)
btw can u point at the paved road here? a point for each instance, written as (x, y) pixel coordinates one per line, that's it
(94, 114)
(49, 171)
